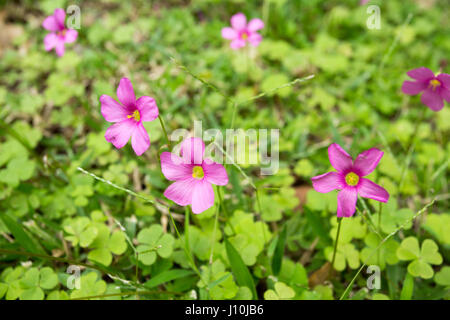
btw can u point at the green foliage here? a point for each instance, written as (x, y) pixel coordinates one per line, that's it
(152, 242)
(422, 258)
(52, 215)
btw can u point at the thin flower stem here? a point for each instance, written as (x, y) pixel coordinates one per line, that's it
(164, 130)
(260, 214)
(186, 250)
(336, 243)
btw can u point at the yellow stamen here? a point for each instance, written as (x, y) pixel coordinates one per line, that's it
(136, 115)
(244, 36)
(352, 179)
(435, 83)
(197, 172)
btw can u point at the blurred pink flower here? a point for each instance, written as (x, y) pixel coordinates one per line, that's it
(59, 34)
(128, 116)
(193, 176)
(435, 89)
(363, 2)
(240, 32)
(349, 178)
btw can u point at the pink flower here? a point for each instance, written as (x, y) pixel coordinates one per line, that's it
(349, 178)
(241, 32)
(128, 116)
(193, 176)
(59, 34)
(363, 2)
(435, 89)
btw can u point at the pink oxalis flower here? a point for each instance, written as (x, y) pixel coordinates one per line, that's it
(240, 32)
(59, 35)
(435, 89)
(193, 176)
(128, 116)
(349, 178)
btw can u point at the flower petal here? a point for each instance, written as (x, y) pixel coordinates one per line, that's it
(339, 158)
(229, 33)
(140, 140)
(119, 133)
(125, 93)
(202, 196)
(255, 25)
(237, 44)
(113, 111)
(346, 205)
(180, 191)
(59, 47)
(327, 182)
(192, 150)
(432, 99)
(445, 94)
(421, 74)
(239, 21)
(368, 189)
(215, 173)
(50, 41)
(173, 167)
(367, 161)
(50, 24)
(444, 78)
(70, 36)
(60, 17)
(254, 39)
(147, 108)
(413, 87)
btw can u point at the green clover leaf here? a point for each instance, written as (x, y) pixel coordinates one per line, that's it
(346, 254)
(35, 280)
(90, 285)
(247, 236)
(387, 252)
(281, 292)
(442, 277)
(80, 231)
(105, 244)
(153, 241)
(350, 229)
(421, 258)
(439, 226)
(392, 218)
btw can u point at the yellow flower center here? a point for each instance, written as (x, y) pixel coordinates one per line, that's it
(352, 179)
(244, 36)
(197, 172)
(135, 115)
(434, 84)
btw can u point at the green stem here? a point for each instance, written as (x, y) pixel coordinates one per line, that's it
(336, 243)
(164, 130)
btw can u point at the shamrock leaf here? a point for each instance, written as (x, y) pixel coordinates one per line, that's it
(220, 282)
(154, 241)
(442, 277)
(346, 254)
(80, 232)
(281, 292)
(387, 253)
(392, 218)
(18, 169)
(293, 273)
(11, 278)
(105, 244)
(350, 228)
(34, 280)
(421, 258)
(90, 285)
(248, 236)
(439, 226)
